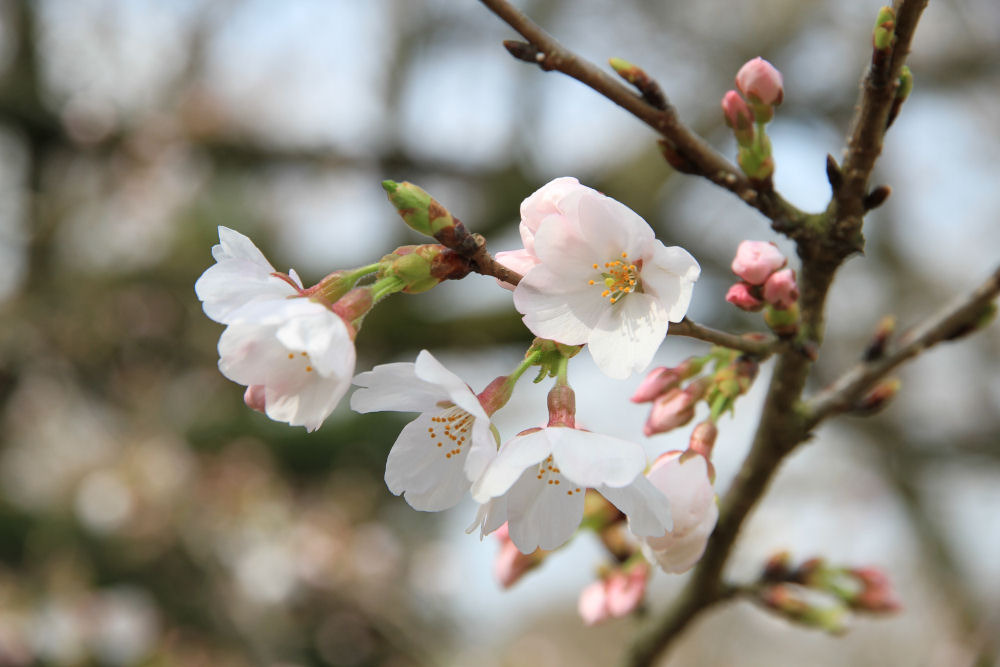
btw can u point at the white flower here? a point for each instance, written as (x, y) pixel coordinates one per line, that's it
(686, 484)
(538, 480)
(296, 351)
(603, 279)
(437, 455)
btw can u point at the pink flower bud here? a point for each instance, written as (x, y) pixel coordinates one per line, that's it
(592, 605)
(671, 410)
(877, 594)
(760, 82)
(780, 290)
(738, 117)
(756, 260)
(624, 591)
(658, 381)
(254, 397)
(703, 438)
(562, 406)
(510, 564)
(741, 296)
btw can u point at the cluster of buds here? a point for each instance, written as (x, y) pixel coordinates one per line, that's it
(820, 595)
(618, 593)
(762, 90)
(765, 281)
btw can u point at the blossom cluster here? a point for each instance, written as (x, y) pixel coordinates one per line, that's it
(594, 275)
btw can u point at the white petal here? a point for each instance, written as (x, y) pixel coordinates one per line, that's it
(592, 459)
(688, 488)
(677, 555)
(324, 337)
(670, 277)
(610, 227)
(429, 369)
(234, 245)
(514, 458)
(395, 387)
(482, 451)
(430, 475)
(561, 249)
(647, 509)
(557, 314)
(542, 515)
(628, 335)
(489, 517)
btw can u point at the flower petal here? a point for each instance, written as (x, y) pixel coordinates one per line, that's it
(592, 459)
(429, 369)
(482, 450)
(541, 515)
(395, 387)
(670, 277)
(628, 335)
(647, 509)
(429, 474)
(610, 227)
(514, 458)
(556, 313)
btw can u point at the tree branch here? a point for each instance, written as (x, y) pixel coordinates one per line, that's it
(662, 117)
(948, 323)
(758, 344)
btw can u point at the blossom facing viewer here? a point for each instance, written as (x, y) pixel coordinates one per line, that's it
(601, 277)
(684, 480)
(437, 455)
(537, 482)
(294, 354)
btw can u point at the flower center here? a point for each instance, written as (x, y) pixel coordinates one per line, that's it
(451, 429)
(617, 278)
(548, 473)
(303, 356)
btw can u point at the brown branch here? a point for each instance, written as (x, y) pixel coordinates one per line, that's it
(758, 344)
(704, 160)
(951, 321)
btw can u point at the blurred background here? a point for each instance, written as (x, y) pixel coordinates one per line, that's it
(148, 518)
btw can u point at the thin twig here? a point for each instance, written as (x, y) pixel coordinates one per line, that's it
(706, 161)
(758, 344)
(847, 389)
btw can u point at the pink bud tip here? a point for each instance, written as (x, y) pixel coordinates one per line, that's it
(737, 113)
(703, 438)
(760, 82)
(740, 295)
(592, 604)
(756, 260)
(254, 397)
(658, 381)
(781, 290)
(671, 410)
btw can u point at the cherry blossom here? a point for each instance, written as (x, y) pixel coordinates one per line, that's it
(437, 455)
(295, 355)
(684, 479)
(603, 279)
(538, 480)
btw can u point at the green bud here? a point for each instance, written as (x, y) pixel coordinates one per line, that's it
(905, 83)
(627, 70)
(419, 210)
(785, 323)
(412, 267)
(885, 27)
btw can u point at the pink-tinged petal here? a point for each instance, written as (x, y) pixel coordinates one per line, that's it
(670, 277)
(592, 459)
(610, 228)
(627, 336)
(678, 555)
(430, 475)
(429, 369)
(560, 248)
(514, 458)
(542, 515)
(562, 316)
(546, 200)
(687, 486)
(647, 509)
(519, 261)
(625, 590)
(592, 604)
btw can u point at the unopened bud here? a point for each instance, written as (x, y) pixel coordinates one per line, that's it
(703, 438)
(755, 261)
(878, 398)
(877, 594)
(885, 29)
(660, 380)
(785, 322)
(496, 394)
(738, 117)
(741, 295)
(255, 399)
(762, 85)
(781, 290)
(778, 567)
(510, 564)
(880, 340)
(419, 210)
